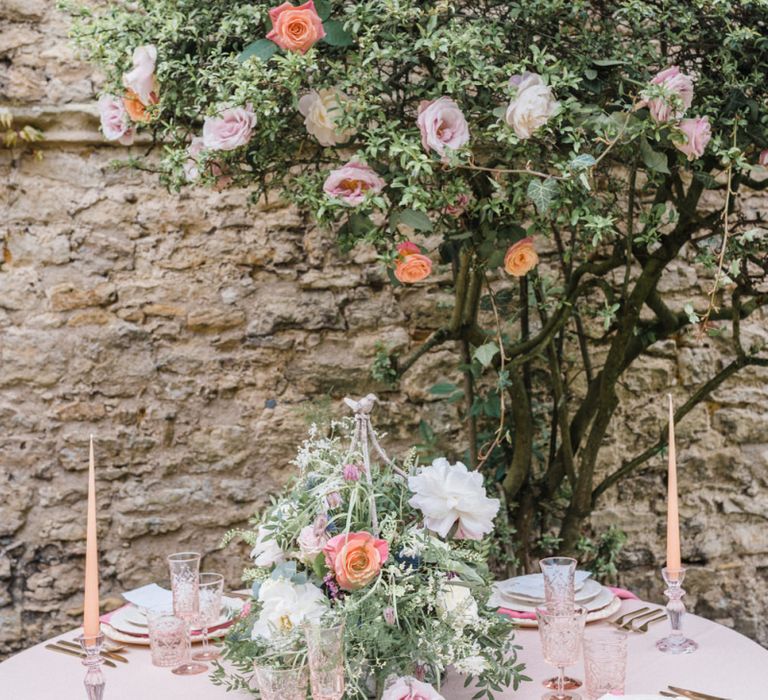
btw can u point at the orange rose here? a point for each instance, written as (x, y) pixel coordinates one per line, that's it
(411, 267)
(136, 109)
(296, 28)
(521, 258)
(355, 558)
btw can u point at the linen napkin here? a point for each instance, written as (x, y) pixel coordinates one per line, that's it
(149, 596)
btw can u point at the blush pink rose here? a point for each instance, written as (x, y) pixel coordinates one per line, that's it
(141, 79)
(230, 129)
(296, 28)
(114, 120)
(193, 164)
(763, 158)
(355, 558)
(459, 205)
(676, 83)
(442, 125)
(532, 106)
(408, 688)
(351, 182)
(697, 134)
(521, 258)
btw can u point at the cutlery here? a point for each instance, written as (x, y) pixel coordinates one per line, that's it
(620, 620)
(694, 694)
(644, 627)
(107, 653)
(628, 624)
(78, 654)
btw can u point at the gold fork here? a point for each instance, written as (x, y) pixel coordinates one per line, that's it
(628, 624)
(620, 620)
(106, 653)
(642, 629)
(78, 654)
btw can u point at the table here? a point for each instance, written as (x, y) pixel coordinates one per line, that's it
(727, 664)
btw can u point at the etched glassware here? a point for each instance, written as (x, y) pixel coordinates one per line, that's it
(325, 647)
(282, 684)
(168, 637)
(559, 587)
(605, 663)
(561, 632)
(209, 610)
(185, 585)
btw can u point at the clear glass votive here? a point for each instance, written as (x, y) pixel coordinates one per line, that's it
(325, 647)
(605, 662)
(282, 683)
(168, 637)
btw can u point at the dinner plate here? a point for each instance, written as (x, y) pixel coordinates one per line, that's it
(532, 585)
(603, 598)
(591, 589)
(596, 615)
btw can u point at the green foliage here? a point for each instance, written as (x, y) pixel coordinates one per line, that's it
(383, 369)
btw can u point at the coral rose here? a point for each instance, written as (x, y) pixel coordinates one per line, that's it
(230, 129)
(411, 265)
(442, 125)
(355, 558)
(141, 79)
(677, 84)
(320, 109)
(521, 258)
(351, 182)
(532, 105)
(296, 28)
(136, 109)
(697, 134)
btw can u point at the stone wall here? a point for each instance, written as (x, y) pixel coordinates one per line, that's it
(195, 337)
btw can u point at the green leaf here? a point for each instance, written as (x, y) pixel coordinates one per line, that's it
(412, 218)
(543, 193)
(608, 61)
(360, 225)
(443, 389)
(263, 49)
(582, 162)
(654, 160)
(323, 9)
(336, 35)
(485, 353)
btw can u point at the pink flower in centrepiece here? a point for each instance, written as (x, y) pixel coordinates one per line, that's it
(697, 133)
(442, 125)
(229, 129)
(296, 28)
(141, 78)
(763, 158)
(351, 472)
(680, 89)
(355, 558)
(389, 615)
(351, 182)
(311, 541)
(114, 120)
(408, 688)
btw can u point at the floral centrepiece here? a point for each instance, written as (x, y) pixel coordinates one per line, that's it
(396, 554)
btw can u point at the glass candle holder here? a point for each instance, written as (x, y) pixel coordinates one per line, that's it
(282, 683)
(94, 678)
(676, 642)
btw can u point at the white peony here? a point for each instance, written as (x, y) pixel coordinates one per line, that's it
(457, 605)
(285, 605)
(320, 110)
(532, 106)
(266, 551)
(446, 493)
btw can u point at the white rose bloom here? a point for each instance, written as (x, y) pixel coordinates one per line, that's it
(456, 604)
(285, 605)
(532, 106)
(446, 493)
(320, 109)
(267, 551)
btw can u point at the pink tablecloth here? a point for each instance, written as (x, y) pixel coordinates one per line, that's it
(727, 664)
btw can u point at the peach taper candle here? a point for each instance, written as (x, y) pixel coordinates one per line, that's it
(673, 516)
(91, 627)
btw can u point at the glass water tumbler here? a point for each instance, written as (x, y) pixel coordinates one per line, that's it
(325, 649)
(605, 663)
(559, 586)
(282, 684)
(168, 637)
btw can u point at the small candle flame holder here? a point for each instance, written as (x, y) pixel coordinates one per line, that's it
(676, 642)
(94, 678)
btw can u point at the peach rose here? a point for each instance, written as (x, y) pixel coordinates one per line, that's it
(697, 133)
(521, 258)
(411, 265)
(296, 28)
(136, 109)
(355, 558)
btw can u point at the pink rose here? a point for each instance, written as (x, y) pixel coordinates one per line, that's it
(763, 158)
(351, 182)
(192, 165)
(407, 248)
(141, 79)
(532, 105)
(311, 541)
(677, 84)
(408, 688)
(442, 125)
(355, 558)
(697, 134)
(296, 28)
(411, 266)
(230, 129)
(459, 205)
(114, 120)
